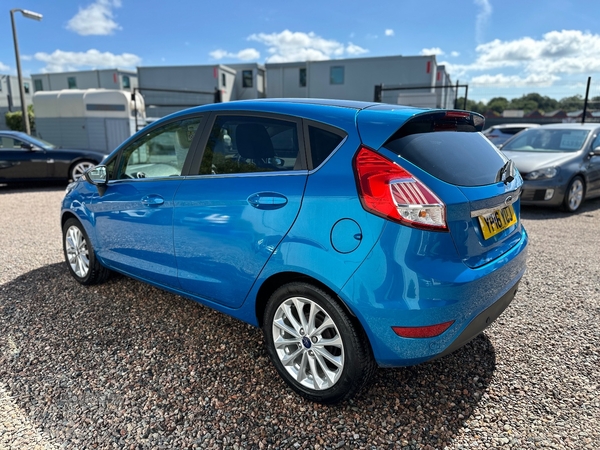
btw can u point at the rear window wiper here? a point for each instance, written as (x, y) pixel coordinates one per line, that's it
(507, 173)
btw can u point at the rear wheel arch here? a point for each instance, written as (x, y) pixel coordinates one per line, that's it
(271, 284)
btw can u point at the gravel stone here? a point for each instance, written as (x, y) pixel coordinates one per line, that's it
(125, 365)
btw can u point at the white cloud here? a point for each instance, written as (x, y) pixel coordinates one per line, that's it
(289, 46)
(61, 61)
(533, 80)
(247, 54)
(354, 50)
(389, 32)
(528, 61)
(482, 18)
(455, 54)
(432, 51)
(4, 67)
(95, 19)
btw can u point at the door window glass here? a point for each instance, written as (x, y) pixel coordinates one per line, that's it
(10, 143)
(160, 153)
(239, 144)
(322, 144)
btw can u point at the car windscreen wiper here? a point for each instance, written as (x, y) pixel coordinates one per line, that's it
(507, 173)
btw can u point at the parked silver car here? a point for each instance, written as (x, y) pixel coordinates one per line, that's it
(499, 134)
(560, 163)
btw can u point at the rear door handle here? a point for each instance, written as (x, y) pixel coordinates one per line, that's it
(152, 200)
(268, 200)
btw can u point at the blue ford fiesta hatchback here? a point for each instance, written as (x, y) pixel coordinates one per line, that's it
(355, 234)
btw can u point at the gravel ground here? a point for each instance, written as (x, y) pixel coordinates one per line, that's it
(125, 365)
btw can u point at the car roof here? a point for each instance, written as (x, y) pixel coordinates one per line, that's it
(573, 126)
(515, 125)
(19, 134)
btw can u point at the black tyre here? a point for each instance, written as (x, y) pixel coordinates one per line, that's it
(79, 255)
(315, 346)
(79, 168)
(574, 195)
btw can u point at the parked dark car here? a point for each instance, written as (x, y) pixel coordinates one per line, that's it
(25, 158)
(560, 164)
(355, 234)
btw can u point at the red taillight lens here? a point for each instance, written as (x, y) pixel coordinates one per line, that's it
(388, 190)
(422, 332)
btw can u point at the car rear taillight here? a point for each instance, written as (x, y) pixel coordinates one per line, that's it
(388, 190)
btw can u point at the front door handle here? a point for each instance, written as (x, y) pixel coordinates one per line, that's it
(152, 200)
(267, 200)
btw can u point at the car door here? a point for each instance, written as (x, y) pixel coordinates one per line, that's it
(230, 218)
(134, 216)
(593, 168)
(19, 161)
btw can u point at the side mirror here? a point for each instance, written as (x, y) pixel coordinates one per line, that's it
(595, 151)
(97, 175)
(26, 146)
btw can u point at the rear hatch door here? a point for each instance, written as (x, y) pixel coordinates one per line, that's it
(478, 184)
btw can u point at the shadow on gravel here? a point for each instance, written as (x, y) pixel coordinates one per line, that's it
(124, 364)
(12, 188)
(539, 213)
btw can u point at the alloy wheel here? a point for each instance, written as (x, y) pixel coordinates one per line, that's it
(77, 252)
(308, 343)
(80, 168)
(575, 194)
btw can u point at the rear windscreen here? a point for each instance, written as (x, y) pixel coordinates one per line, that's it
(460, 158)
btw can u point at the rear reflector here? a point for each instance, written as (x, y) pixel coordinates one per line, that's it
(388, 190)
(422, 332)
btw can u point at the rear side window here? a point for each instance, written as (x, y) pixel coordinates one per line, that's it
(245, 144)
(459, 158)
(322, 143)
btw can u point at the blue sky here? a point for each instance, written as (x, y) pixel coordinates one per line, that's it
(499, 47)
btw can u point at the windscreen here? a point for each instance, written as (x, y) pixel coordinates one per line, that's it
(459, 158)
(548, 140)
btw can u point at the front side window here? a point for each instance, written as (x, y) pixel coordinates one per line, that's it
(26, 87)
(244, 144)
(72, 82)
(161, 153)
(126, 82)
(223, 80)
(37, 85)
(247, 78)
(336, 75)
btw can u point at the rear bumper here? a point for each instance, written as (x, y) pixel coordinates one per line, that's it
(482, 321)
(395, 288)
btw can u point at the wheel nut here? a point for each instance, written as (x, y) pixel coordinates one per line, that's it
(314, 339)
(301, 331)
(311, 353)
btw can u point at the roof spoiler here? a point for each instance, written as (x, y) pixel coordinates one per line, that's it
(445, 120)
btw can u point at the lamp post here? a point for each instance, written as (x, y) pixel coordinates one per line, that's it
(29, 15)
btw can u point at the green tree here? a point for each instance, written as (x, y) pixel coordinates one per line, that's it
(572, 103)
(14, 120)
(472, 105)
(498, 104)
